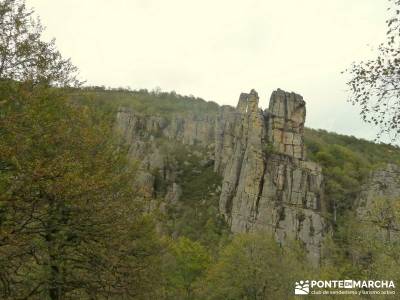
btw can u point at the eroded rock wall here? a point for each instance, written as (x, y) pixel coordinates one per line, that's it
(378, 195)
(268, 184)
(142, 134)
(286, 117)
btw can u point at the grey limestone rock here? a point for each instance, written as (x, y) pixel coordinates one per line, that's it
(268, 185)
(287, 113)
(382, 186)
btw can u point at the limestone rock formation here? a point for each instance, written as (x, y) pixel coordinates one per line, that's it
(268, 184)
(286, 117)
(189, 129)
(382, 186)
(382, 183)
(140, 133)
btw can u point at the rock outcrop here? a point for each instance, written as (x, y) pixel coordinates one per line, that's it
(268, 184)
(383, 182)
(142, 134)
(286, 117)
(379, 193)
(190, 129)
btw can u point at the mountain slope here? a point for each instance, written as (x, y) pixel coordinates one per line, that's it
(263, 157)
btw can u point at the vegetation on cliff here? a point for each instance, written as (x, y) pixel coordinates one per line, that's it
(74, 226)
(193, 261)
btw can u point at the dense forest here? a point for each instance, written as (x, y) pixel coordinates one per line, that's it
(73, 225)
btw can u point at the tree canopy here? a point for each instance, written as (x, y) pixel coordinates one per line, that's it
(375, 83)
(70, 225)
(24, 55)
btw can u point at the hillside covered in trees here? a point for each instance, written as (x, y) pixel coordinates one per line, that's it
(137, 194)
(58, 148)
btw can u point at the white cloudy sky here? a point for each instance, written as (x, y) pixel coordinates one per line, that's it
(215, 49)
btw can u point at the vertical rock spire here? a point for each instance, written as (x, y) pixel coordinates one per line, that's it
(267, 183)
(286, 123)
(242, 104)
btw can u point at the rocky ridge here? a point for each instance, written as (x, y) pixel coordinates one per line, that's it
(267, 184)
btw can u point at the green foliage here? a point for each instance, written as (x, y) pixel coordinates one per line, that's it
(346, 162)
(72, 226)
(148, 103)
(366, 248)
(253, 266)
(197, 215)
(374, 83)
(24, 56)
(269, 149)
(55, 146)
(187, 262)
(372, 152)
(69, 223)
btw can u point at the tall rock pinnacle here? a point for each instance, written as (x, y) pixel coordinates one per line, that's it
(267, 183)
(287, 114)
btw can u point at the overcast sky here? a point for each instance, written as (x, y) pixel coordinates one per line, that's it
(215, 49)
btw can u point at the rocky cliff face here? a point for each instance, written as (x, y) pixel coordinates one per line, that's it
(378, 195)
(142, 134)
(268, 184)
